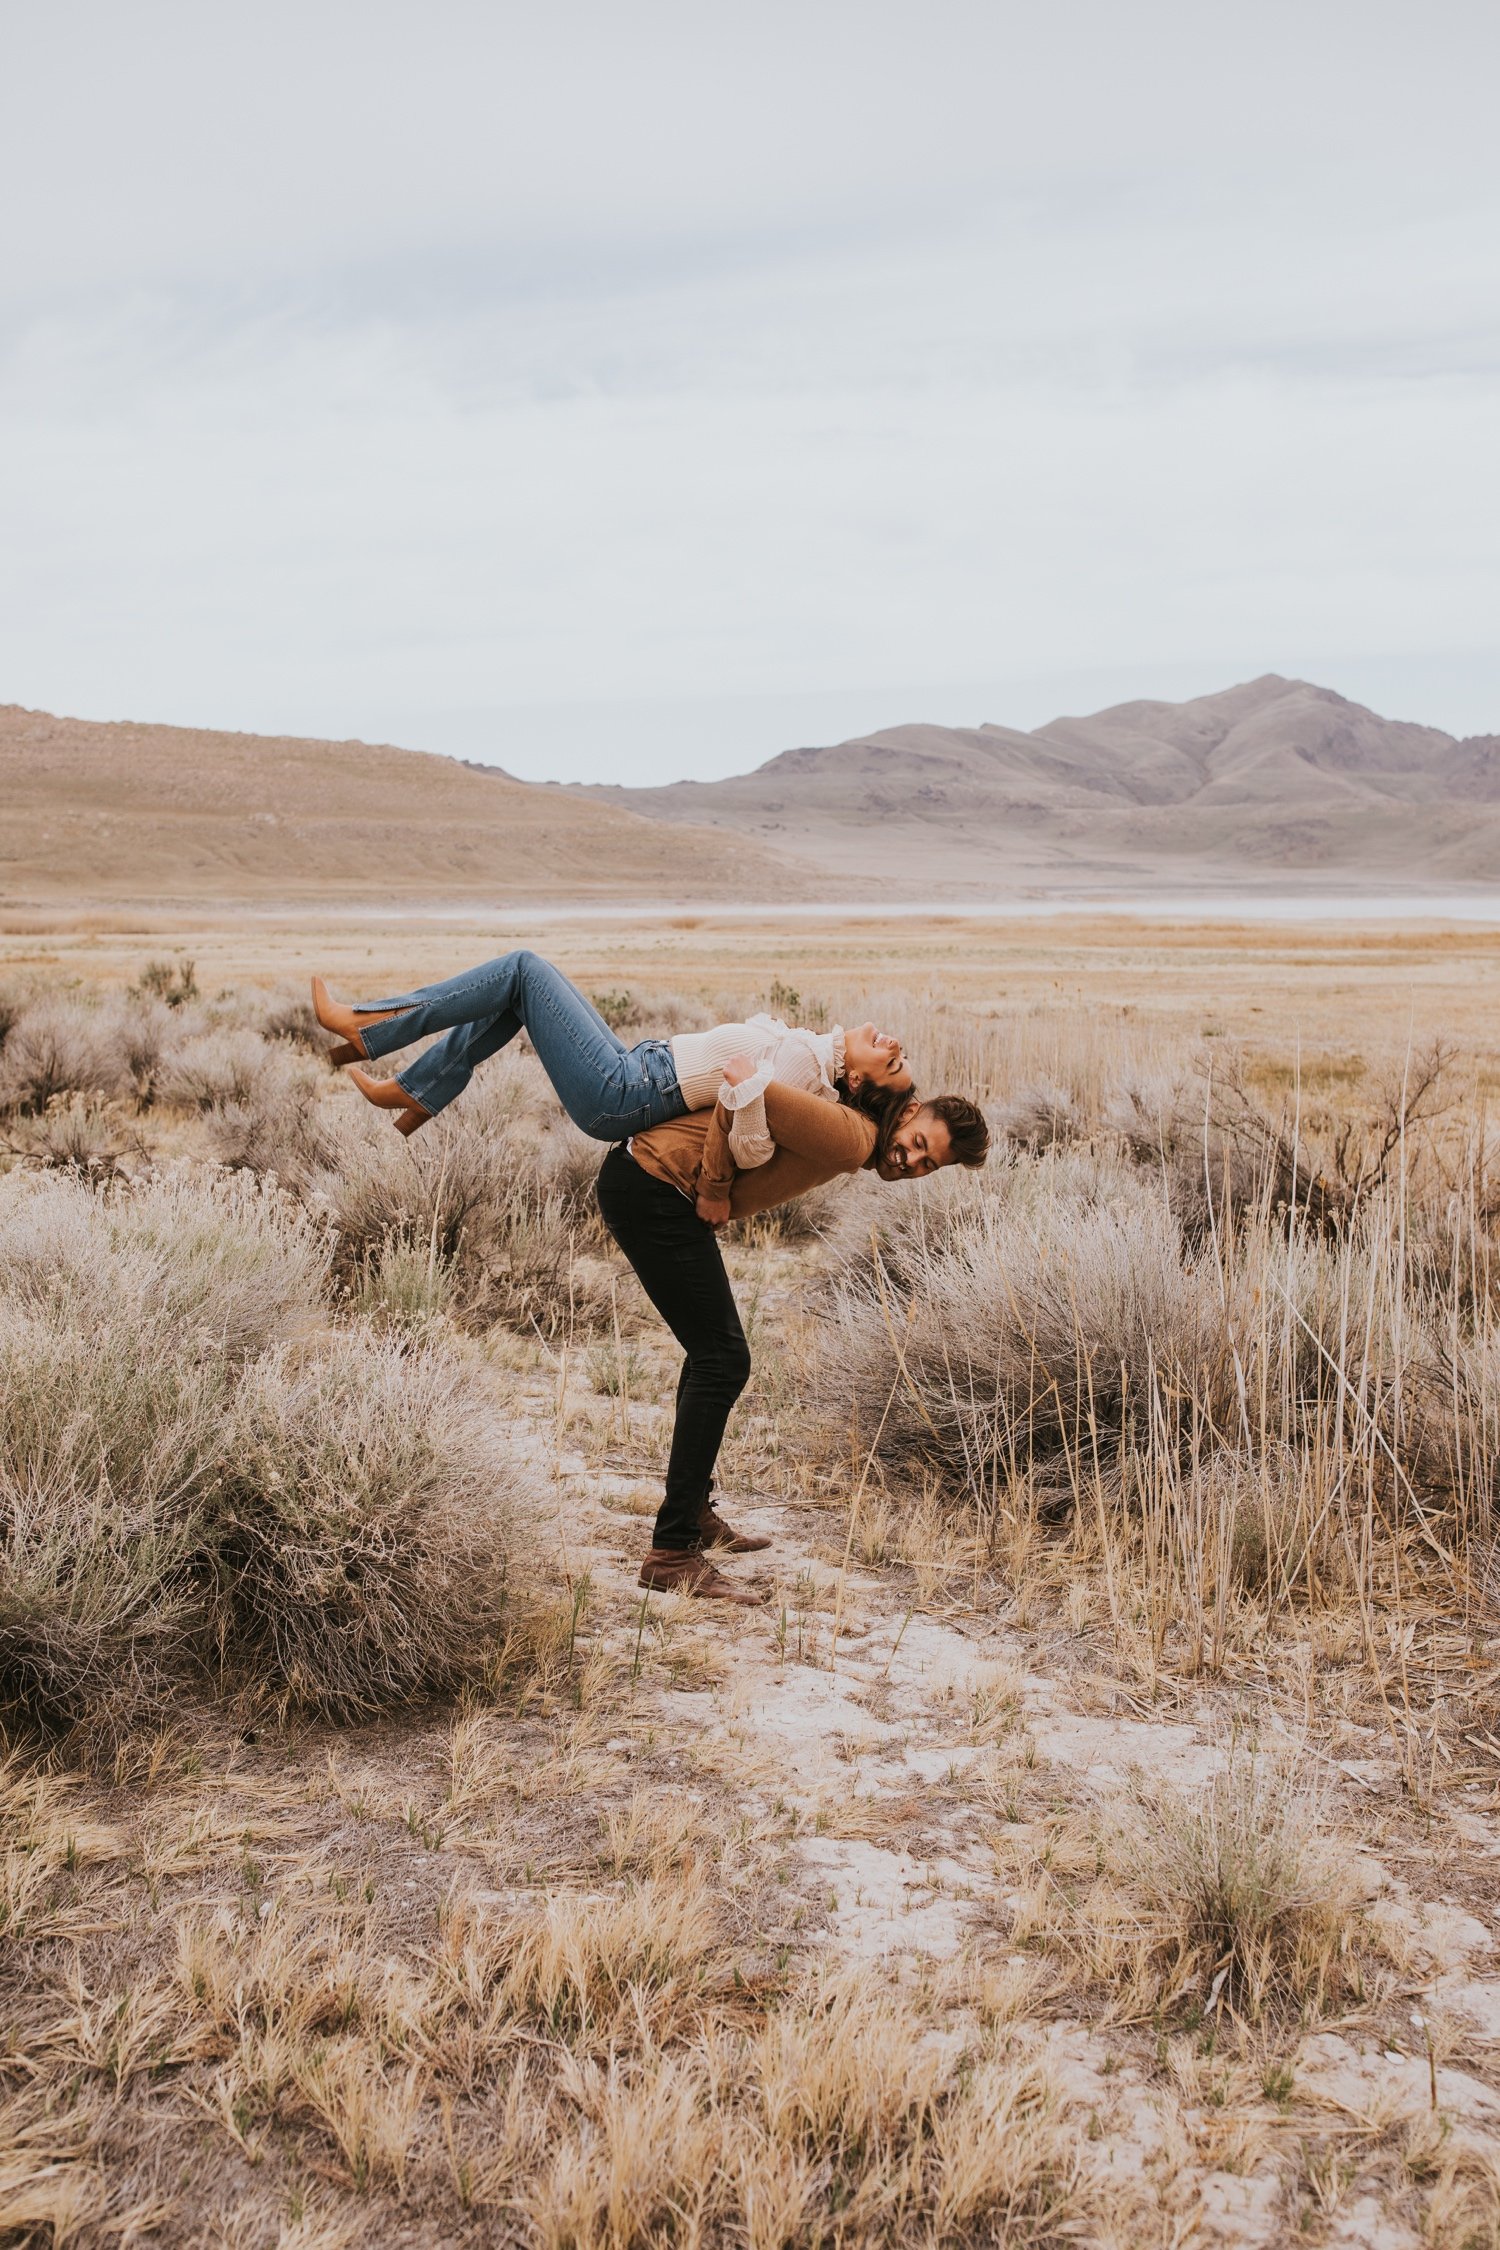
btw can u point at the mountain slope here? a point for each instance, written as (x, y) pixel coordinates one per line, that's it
(174, 814)
(1269, 779)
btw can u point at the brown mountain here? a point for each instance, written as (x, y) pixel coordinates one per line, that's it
(171, 815)
(1270, 780)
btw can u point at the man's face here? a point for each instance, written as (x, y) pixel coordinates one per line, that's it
(919, 1145)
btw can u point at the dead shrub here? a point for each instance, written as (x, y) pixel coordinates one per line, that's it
(1241, 1887)
(1222, 1154)
(1211, 1156)
(99, 1615)
(1025, 1324)
(361, 1523)
(505, 1214)
(1040, 1115)
(77, 1133)
(57, 1047)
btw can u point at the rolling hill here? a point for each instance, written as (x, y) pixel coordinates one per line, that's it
(1272, 781)
(1272, 784)
(176, 815)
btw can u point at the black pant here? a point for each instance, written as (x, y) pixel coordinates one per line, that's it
(676, 1256)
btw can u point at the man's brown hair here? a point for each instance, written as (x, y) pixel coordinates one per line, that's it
(967, 1131)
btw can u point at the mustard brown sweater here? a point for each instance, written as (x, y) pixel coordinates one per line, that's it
(815, 1141)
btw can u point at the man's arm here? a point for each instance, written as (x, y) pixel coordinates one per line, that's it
(717, 1169)
(815, 1141)
(829, 1132)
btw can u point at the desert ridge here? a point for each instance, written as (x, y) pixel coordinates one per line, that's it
(1271, 779)
(1272, 785)
(166, 815)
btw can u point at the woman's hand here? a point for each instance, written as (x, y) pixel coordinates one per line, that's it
(738, 1069)
(715, 1209)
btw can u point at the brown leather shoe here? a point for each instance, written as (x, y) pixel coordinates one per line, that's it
(715, 1532)
(683, 1570)
(386, 1093)
(346, 1023)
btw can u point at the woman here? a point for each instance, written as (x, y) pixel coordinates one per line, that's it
(608, 1089)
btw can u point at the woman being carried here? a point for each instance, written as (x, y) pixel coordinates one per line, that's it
(610, 1091)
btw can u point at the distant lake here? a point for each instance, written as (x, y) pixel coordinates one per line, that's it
(1141, 906)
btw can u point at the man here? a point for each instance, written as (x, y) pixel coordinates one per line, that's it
(662, 1195)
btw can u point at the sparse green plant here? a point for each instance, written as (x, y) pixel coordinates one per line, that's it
(174, 983)
(619, 1009)
(616, 1367)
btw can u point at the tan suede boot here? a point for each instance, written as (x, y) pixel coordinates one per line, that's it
(347, 1023)
(715, 1532)
(678, 1570)
(386, 1093)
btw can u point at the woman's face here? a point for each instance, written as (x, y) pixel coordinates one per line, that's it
(878, 1055)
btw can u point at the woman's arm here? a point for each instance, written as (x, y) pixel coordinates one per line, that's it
(790, 1062)
(828, 1135)
(715, 1169)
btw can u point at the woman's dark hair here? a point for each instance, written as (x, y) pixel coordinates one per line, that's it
(885, 1107)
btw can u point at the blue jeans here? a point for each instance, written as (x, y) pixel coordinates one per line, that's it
(608, 1089)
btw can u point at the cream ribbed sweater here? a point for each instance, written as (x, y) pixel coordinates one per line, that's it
(810, 1061)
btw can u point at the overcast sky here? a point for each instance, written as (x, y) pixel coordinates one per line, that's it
(622, 391)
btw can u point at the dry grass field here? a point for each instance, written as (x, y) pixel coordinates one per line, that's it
(1091, 1841)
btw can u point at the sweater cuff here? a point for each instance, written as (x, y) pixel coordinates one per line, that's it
(751, 1089)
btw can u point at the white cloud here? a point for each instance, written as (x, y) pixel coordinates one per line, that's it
(500, 383)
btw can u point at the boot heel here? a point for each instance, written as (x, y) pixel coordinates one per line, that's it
(386, 1093)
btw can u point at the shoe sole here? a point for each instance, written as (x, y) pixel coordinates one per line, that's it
(734, 1600)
